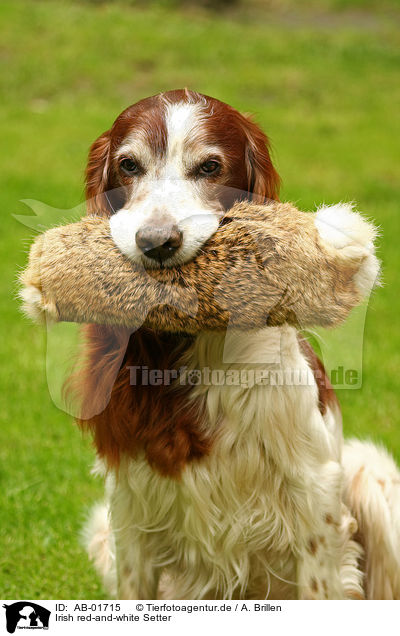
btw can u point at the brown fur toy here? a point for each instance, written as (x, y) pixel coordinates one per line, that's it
(266, 265)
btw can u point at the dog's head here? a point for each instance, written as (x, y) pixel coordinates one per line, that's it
(169, 167)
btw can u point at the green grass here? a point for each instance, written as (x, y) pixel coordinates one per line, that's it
(327, 91)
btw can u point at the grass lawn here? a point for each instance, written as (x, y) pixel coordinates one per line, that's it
(324, 84)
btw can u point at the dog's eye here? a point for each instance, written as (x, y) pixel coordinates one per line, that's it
(209, 167)
(129, 166)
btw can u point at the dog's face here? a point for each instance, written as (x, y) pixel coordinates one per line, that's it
(168, 169)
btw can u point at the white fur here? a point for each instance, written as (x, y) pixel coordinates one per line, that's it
(240, 522)
(372, 490)
(100, 545)
(32, 303)
(165, 188)
(345, 229)
(35, 307)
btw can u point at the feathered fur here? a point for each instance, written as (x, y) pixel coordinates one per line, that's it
(221, 489)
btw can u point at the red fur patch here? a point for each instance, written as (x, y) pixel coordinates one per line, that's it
(326, 393)
(160, 420)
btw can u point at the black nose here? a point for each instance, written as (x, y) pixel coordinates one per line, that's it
(159, 241)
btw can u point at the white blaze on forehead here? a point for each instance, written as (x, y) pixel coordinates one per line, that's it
(166, 188)
(181, 121)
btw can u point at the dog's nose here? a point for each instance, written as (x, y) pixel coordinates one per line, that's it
(159, 241)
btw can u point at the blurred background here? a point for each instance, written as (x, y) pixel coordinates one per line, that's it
(324, 83)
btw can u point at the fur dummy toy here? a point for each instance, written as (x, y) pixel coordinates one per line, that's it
(266, 265)
(225, 491)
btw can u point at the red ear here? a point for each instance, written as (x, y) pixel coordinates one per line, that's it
(263, 179)
(98, 176)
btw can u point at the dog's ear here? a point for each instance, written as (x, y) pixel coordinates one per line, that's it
(98, 180)
(263, 179)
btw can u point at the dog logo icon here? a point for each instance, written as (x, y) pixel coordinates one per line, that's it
(26, 615)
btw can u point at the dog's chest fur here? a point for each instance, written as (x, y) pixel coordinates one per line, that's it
(231, 522)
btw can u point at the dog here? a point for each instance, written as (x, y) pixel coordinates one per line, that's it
(218, 492)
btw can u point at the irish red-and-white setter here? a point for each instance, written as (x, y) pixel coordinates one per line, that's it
(218, 491)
